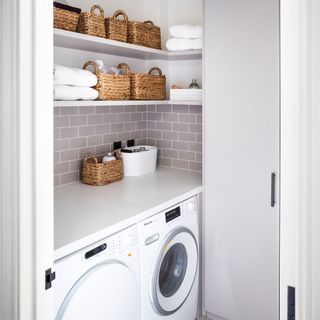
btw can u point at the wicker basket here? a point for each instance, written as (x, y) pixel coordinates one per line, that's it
(148, 86)
(112, 86)
(65, 19)
(96, 173)
(91, 23)
(144, 34)
(117, 29)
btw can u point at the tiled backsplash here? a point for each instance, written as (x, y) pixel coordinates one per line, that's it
(175, 129)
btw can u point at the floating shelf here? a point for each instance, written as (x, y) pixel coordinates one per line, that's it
(73, 40)
(123, 103)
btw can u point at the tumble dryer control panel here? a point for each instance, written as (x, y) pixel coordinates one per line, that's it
(123, 243)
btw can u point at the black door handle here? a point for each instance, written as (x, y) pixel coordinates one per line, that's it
(273, 189)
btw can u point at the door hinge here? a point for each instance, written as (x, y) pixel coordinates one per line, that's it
(291, 303)
(49, 277)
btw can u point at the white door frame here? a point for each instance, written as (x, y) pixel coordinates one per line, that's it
(26, 158)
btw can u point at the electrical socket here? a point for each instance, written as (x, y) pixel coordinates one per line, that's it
(117, 145)
(130, 143)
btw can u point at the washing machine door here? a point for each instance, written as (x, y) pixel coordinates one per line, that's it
(106, 291)
(174, 272)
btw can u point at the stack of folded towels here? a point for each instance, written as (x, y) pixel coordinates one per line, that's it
(185, 37)
(73, 84)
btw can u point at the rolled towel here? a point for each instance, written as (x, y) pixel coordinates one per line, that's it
(176, 44)
(73, 76)
(186, 31)
(63, 92)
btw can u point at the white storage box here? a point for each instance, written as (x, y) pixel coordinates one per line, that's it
(186, 94)
(139, 163)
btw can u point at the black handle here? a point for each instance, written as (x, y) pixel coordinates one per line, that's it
(273, 189)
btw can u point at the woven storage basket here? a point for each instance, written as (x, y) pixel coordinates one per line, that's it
(96, 173)
(117, 29)
(65, 19)
(112, 86)
(148, 86)
(91, 23)
(144, 34)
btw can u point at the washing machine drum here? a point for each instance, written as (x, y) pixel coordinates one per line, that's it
(174, 272)
(107, 291)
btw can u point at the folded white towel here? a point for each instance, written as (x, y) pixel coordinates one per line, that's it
(186, 31)
(63, 92)
(73, 76)
(176, 44)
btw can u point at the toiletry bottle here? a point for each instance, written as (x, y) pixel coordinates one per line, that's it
(108, 157)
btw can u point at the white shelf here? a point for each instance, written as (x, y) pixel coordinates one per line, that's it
(123, 103)
(73, 40)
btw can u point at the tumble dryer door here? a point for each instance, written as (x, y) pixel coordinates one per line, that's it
(175, 271)
(106, 291)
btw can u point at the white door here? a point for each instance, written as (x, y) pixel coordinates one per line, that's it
(241, 116)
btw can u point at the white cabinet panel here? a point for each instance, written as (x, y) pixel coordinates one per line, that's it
(241, 116)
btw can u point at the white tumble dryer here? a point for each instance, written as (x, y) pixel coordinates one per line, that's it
(101, 281)
(169, 254)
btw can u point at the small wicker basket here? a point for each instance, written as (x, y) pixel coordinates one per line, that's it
(144, 34)
(91, 23)
(96, 173)
(148, 86)
(65, 19)
(117, 29)
(112, 86)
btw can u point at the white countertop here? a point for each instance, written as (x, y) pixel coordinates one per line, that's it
(86, 214)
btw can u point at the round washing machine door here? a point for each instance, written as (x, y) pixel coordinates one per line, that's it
(107, 291)
(174, 272)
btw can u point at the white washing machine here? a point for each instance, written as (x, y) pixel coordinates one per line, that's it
(169, 256)
(101, 281)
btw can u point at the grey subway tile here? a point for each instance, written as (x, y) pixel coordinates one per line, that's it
(60, 145)
(102, 109)
(95, 119)
(151, 125)
(168, 153)
(187, 137)
(56, 180)
(87, 110)
(199, 118)
(78, 120)
(136, 116)
(165, 162)
(87, 131)
(67, 111)
(177, 108)
(109, 138)
(94, 140)
(195, 147)
(197, 128)
(165, 126)
(75, 165)
(56, 157)
(137, 134)
(130, 108)
(164, 144)
(151, 108)
(180, 127)
(59, 122)
(56, 133)
(178, 145)
(84, 151)
(117, 127)
(196, 109)
(103, 149)
(170, 135)
(102, 128)
(187, 118)
(129, 126)
(154, 134)
(110, 118)
(141, 125)
(69, 132)
(78, 142)
(116, 109)
(61, 167)
(69, 155)
(181, 164)
(141, 108)
(187, 155)
(124, 117)
(199, 157)
(154, 116)
(69, 177)
(163, 108)
(172, 117)
(56, 111)
(193, 165)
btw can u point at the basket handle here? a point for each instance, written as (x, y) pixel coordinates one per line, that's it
(95, 7)
(155, 69)
(125, 67)
(95, 66)
(90, 156)
(120, 13)
(148, 22)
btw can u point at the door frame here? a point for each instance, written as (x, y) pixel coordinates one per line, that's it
(26, 155)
